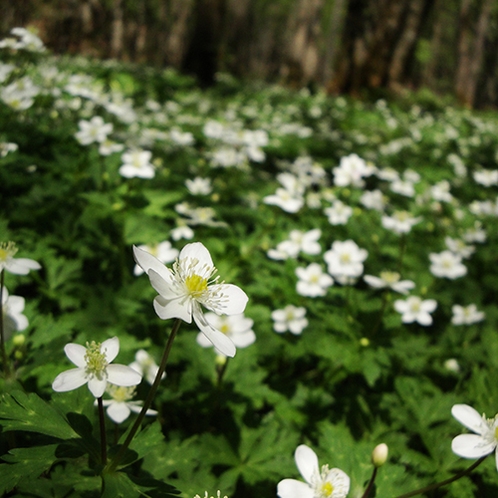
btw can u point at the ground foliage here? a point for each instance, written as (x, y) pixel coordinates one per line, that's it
(354, 377)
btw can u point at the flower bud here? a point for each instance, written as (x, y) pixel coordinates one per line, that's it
(379, 455)
(19, 339)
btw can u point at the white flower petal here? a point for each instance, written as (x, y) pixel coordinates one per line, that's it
(236, 299)
(340, 482)
(69, 380)
(76, 354)
(307, 462)
(110, 347)
(97, 386)
(470, 418)
(175, 308)
(163, 287)
(147, 262)
(471, 446)
(219, 339)
(291, 488)
(22, 266)
(121, 375)
(196, 250)
(118, 412)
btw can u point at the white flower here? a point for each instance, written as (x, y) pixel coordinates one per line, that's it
(108, 147)
(190, 284)
(339, 213)
(320, 483)
(298, 241)
(452, 365)
(390, 280)
(291, 318)
(313, 281)
(351, 171)
(475, 234)
(93, 367)
(457, 246)
(414, 309)
(466, 315)
(199, 186)
(447, 264)
(288, 201)
(94, 130)
(136, 163)
(345, 259)
(121, 405)
(206, 495)
(13, 319)
(403, 187)
(145, 365)
(373, 199)
(400, 222)
(163, 251)
(181, 138)
(485, 439)
(237, 327)
(17, 266)
(182, 232)
(486, 177)
(441, 191)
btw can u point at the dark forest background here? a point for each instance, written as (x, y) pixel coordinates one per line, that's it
(347, 46)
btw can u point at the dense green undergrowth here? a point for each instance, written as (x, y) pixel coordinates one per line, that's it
(355, 375)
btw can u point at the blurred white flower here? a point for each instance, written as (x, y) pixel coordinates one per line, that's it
(181, 138)
(298, 241)
(182, 232)
(320, 482)
(20, 94)
(121, 405)
(466, 315)
(237, 327)
(108, 147)
(93, 367)
(458, 247)
(373, 199)
(313, 281)
(447, 264)
(291, 318)
(5, 70)
(486, 177)
(199, 186)
(485, 439)
(441, 191)
(390, 280)
(345, 259)
(400, 222)
(146, 366)
(339, 213)
(163, 251)
(414, 309)
(403, 187)
(136, 163)
(452, 365)
(95, 130)
(13, 319)
(475, 234)
(17, 266)
(351, 171)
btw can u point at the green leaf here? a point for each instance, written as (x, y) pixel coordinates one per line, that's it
(25, 464)
(121, 485)
(28, 412)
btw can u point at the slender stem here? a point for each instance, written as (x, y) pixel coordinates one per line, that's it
(103, 440)
(381, 314)
(5, 360)
(402, 248)
(446, 481)
(148, 401)
(370, 483)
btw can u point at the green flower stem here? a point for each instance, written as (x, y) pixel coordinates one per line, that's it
(460, 474)
(5, 360)
(103, 441)
(402, 249)
(381, 313)
(370, 483)
(113, 464)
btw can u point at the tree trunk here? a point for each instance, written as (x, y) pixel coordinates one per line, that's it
(406, 42)
(332, 40)
(117, 29)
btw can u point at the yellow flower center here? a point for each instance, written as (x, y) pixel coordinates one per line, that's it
(121, 393)
(225, 328)
(390, 277)
(327, 489)
(196, 285)
(96, 361)
(7, 250)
